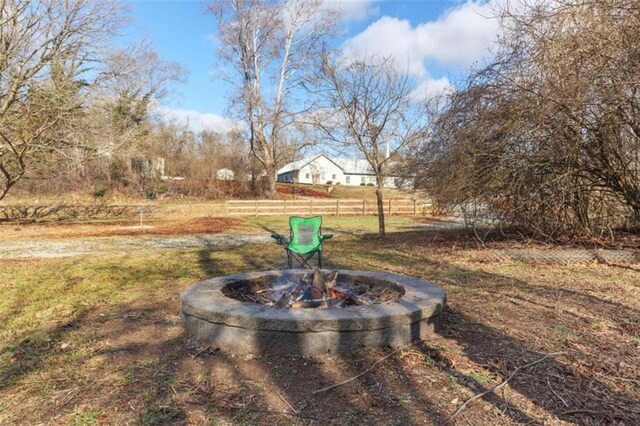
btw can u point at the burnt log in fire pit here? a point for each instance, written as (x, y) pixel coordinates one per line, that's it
(266, 312)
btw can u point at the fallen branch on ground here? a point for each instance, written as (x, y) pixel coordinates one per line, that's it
(328, 388)
(286, 402)
(207, 348)
(566, 404)
(499, 386)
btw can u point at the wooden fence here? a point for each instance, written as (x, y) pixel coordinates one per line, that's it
(325, 207)
(235, 208)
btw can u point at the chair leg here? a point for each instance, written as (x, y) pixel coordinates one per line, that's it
(304, 260)
(301, 259)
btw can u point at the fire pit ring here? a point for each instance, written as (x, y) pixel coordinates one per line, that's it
(229, 324)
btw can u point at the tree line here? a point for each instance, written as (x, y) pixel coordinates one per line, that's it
(77, 106)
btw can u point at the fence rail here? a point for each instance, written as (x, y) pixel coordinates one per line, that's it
(235, 208)
(328, 207)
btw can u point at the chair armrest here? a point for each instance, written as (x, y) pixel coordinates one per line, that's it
(282, 240)
(325, 237)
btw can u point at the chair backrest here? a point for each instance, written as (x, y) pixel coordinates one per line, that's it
(305, 233)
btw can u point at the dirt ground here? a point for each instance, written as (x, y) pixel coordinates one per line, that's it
(127, 360)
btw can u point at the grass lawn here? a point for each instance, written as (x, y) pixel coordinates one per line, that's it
(346, 191)
(97, 340)
(367, 192)
(341, 224)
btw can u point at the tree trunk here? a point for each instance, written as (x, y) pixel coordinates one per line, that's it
(381, 230)
(9, 180)
(632, 197)
(270, 180)
(635, 218)
(254, 185)
(4, 189)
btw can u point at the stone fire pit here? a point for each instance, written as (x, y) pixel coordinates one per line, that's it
(211, 314)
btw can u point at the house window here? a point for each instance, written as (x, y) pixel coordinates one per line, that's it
(348, 179)
(333, 176)
(307, 176)
(362, 179)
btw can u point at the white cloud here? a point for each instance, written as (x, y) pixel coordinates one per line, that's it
(388, 37)
(353, 10)
(431, 88)
(461, 36)
(198, 121)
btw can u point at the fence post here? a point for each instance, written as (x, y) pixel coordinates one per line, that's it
(226, 207)
(389, 206)
(311, 206)
(364, 207)
(338, 207)
(285, 207)
(256, 206)
(415, 205)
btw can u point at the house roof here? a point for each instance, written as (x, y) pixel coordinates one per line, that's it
(348, 165)
(354, 166)
(297, 165)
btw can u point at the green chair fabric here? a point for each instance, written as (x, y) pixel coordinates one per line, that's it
(305, 234)
(305, 240)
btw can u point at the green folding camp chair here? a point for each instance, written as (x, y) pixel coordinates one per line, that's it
(305, 240)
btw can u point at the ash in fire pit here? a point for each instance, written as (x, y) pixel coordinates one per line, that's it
(314, 290)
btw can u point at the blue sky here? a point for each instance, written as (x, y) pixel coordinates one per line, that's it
(438, 39)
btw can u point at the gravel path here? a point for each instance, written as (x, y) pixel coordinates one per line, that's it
(86, 246)
(70, 247)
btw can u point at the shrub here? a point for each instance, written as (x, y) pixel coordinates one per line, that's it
(150, 194)
(525, 143)
(100, 192)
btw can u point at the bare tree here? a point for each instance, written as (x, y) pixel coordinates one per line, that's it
(49, 50)
(140, 79)
(365, 105)
(547, 136)
(269, 46)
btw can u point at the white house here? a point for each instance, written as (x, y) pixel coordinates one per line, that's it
(225, 174)
(322, 169)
